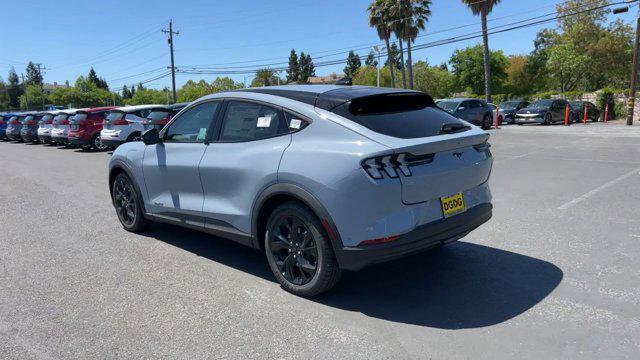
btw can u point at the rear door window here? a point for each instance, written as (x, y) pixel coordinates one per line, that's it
(247, 121)
(404, 116)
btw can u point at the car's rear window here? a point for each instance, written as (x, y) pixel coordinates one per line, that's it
(28, 118)
(47, 117)
(115, 115)
(60, 117)
(158, 115)
(80, 117)
(405, 115)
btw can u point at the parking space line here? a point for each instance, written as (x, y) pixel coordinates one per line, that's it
(578, 200)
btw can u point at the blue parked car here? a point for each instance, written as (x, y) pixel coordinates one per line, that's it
(320, 178)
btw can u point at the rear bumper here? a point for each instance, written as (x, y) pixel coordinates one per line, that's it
(420, 239)
(44, 137)
(528, 120)
(60, 139)
(29, 135)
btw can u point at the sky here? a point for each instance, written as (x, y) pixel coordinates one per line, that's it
(123, 42)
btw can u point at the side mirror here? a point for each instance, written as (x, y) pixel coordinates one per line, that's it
(151, 137)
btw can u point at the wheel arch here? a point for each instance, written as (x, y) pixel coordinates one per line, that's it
(279, 193)
(120, 168)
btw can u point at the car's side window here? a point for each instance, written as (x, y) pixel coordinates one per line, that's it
(474, 104)
(192, 125)
(295, 122)
(247, 121)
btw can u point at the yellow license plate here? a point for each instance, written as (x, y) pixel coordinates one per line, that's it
(453, 205)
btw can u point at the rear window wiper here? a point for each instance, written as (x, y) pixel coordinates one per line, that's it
(451, 128)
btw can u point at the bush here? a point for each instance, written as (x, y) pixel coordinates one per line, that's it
(604, 97)
(619, 110)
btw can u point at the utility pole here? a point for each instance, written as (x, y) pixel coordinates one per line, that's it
(26, 96)
(40, 68)
(173, 68)
(634, 74)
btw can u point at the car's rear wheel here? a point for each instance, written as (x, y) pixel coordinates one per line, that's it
(127, 204)
(136, 136)
(548, 120)
(298, 251)
(96, 143)
(486, 122)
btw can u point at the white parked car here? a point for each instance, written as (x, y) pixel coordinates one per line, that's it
(60, 130)
(123, 124)
(45, 125)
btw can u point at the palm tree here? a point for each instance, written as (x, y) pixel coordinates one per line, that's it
(397, 25)
(483, 8)
(379, 18)
(414, 14)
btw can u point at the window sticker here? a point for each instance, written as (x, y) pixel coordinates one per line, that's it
(295, 124)
(264, 122)
(202, 134)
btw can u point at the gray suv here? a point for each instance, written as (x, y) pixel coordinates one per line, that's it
(321, 178)
(475, 111)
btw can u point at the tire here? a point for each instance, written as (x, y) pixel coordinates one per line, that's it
(96, 143)
(128, 205)
(286, 244)
(486, 122)
(548, 119)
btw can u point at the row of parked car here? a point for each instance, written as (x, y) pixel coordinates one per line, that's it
(99, 128)
(520, 112)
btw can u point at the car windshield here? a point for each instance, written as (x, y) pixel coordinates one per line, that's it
(115, 115)
(576, 104)
(158, 115)
(404, 116)
(509, 105)
(541, 103)
(449, 106)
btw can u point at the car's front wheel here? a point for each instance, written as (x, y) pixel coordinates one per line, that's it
(299, 252)
(486, 122)
(548, 120)
(127, 204)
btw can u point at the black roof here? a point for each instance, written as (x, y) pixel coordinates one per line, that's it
(326, 97)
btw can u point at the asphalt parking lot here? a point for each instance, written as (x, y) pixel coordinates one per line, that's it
(554, 274)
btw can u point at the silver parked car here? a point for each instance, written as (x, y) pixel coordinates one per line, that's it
(320, 177)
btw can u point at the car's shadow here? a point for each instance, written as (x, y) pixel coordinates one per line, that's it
(462, 285)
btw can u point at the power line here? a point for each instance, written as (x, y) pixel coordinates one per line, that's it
(242, 70)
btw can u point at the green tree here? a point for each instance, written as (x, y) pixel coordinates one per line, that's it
(4, 95)
(34, 76)
(293, 71)
(518, 79)
(33, 97)
(149, 96)
(371, 60)
(192, 90)
(380, 18)
(367, 75)
(433, 80)
(566, 65)
(266, 77)
(126, 94)
(353, 64)
(536, 64)
(307, 68)
(468, 67)
(14, 90)
(99, 82)
(483, 8)
(394, 57)
(411, 15)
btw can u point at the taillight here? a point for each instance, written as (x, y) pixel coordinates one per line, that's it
(121, 122)
(389, 165)
(49, 122)
(31, 122)
(484, 147)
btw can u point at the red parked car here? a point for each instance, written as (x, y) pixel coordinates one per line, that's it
(85, 127)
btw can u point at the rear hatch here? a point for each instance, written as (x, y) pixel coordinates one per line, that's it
(115, 118)
(77, 122)
(434, 153)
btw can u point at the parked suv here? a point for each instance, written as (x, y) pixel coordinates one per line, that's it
(29, 130)
(158, 117)
(475, 111)
(510, 108)
(320, 177)
(578, 111)
(14, 125)
(124, 124)
(45, 125)
(85, 127)
(546, 111)
(60, 131)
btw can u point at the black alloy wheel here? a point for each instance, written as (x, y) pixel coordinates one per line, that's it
(127, 204)
(294, 250)
(299, 251)
(548, 119)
